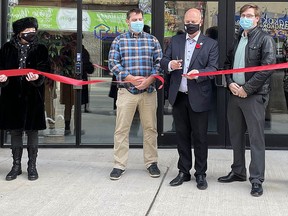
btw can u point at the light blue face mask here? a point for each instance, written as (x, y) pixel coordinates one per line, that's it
(246, 23)
(137, 26)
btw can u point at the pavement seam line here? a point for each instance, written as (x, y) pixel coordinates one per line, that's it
(157, 192)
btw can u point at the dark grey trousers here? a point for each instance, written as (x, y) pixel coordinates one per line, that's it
(248, 114)
(17, 138)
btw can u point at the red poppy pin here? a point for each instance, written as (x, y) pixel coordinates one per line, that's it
(198, 46)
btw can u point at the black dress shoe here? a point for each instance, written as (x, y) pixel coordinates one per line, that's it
(201, 182)
(231, 177)
(256, 190)
(180, 178)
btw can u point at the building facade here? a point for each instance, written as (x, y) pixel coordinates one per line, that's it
(92, 123)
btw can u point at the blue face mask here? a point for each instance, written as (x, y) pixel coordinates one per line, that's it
(137, 26)
(246, 23)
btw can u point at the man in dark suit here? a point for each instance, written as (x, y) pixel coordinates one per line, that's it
(191, 53)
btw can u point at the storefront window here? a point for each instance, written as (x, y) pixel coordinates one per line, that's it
(58, 33)
(57, 30)
(274, 21)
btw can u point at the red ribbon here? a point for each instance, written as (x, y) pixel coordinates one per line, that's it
(239, 70)
(71, 81)
(63, 79)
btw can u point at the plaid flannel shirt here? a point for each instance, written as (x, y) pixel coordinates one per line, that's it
(136, 55)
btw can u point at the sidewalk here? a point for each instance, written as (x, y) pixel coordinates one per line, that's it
(76, 182)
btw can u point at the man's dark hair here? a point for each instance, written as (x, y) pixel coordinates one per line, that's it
(134, 10)
(245, 7)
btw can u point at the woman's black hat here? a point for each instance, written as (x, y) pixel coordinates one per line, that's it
(22, 24)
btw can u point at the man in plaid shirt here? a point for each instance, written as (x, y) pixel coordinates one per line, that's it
(134, 58)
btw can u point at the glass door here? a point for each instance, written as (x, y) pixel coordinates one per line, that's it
(173, 24)
(274, 20)
(57, 31)
(98, 119)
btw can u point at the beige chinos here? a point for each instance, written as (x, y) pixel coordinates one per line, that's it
(127, 103)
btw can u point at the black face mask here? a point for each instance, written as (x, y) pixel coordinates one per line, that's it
(192, 28)
(29, 37)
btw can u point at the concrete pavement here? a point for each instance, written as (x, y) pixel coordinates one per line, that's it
(76, 182)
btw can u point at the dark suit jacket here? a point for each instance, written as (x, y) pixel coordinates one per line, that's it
(204, 59)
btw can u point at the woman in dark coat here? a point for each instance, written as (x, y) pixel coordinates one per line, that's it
(22, 97)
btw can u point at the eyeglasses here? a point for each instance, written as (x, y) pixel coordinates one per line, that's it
(247, 15)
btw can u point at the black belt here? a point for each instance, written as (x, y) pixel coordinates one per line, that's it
(186, 93)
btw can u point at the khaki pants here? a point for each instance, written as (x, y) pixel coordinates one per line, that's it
(126, 107)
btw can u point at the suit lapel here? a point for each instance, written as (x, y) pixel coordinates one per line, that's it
(197, 50)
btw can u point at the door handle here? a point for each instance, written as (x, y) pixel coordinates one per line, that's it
(220, 80)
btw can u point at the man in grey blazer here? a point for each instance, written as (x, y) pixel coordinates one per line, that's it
(191, 53)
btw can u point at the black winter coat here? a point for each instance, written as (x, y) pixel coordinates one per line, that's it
(22, 102)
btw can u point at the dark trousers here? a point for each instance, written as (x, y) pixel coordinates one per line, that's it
(190, 126)
(17, 138)
(248, 114)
